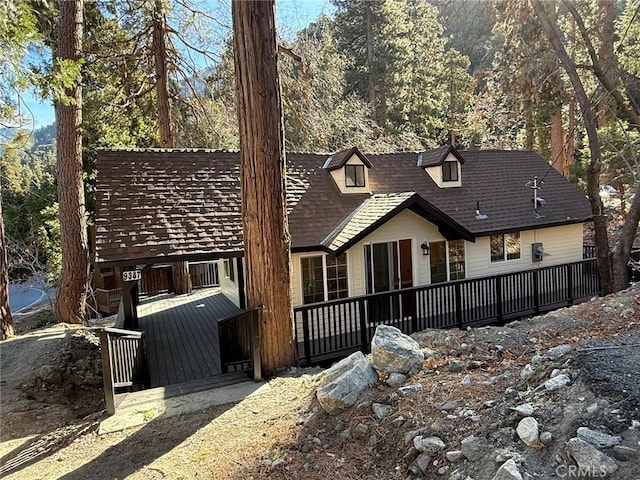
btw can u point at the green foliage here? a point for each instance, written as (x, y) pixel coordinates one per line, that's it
(29, 207)
(18, 34)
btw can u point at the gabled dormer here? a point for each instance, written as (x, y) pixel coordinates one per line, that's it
(350, 170)
(443, 165)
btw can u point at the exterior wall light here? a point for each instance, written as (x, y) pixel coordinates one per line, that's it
(425, 248)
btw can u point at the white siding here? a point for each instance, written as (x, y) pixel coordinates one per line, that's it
(228, 287)
(436, 173)
(564, 244)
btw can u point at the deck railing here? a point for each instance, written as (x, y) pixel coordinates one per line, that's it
(333, 329)
(108, 300)
(240, 343)
(204, 274)
(124, 362)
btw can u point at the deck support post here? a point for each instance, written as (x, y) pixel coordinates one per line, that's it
(130, 303)
(499, 308)
(364, 337)
(570, 292)
(254, 330)
(107, 373)
(458, 293)
(306, 337)
(536, 291)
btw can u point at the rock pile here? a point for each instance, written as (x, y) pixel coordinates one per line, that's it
(546, 423)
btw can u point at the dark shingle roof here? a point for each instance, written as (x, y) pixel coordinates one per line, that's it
(436, 156)
(164, 204)
(337, 160)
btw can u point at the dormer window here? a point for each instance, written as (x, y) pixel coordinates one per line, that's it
(443, 165)
(450, 171)
(350, 170)
(354, 175)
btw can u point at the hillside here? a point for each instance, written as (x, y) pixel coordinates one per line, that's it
(472, 384)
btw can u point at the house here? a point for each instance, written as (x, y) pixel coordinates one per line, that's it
(359, 223)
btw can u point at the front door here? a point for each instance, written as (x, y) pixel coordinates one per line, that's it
(389, 266)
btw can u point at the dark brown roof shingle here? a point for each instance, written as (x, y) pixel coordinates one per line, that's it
(163, 204)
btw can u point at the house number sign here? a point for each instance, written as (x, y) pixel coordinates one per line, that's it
(131, 275)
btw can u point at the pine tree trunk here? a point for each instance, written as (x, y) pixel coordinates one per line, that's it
(264, 214)
(557, 142)
(6, 320)
(181, 277)
(180, 270)
(74, 283)
(595, 164)
(162, 76)
(373, 80)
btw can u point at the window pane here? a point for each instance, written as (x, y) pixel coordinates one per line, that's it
(456, 260)
(337, 277)
(450, 171)
(312, 280)
(354, 175)
(381, 271)
(438, 262)
(512, 241)
(497, 248)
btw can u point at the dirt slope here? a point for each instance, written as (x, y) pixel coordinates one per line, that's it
(286, 435)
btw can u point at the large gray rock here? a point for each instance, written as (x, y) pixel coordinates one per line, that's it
(528, 431)
(590, 459)
(429, 445)
(343, 382)
(508, 471)
(393, 351)
(473, 448)
(598, 439)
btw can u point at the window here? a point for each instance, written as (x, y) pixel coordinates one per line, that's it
(446, 260)
(456, 260)
(228, 269)
(337, 286)
(324, 277)
(450, 171)
(388, 266)
(505, 247)
(354, 175)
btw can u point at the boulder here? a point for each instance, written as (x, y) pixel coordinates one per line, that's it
(528, 431)
(473, 448)
(381, 411)
(395, 380)
(508, 471)
(590, 459)
(429, 445)
(559, 351)
(410, 389)
(394, 352)
(524, 410)
(598, 439)
(343, 382)
(557, 382)
(50, 374)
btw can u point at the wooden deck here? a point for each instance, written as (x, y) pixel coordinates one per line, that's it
(182, 335)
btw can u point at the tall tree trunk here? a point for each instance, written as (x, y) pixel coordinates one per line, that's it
(372, 84)
(595, 165)
(179, 270)
(264, 214)
(162, 75)
(557, 142)
(72, 291)
(6, 320)
(605, 53)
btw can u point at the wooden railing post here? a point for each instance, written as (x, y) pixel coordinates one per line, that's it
(306, 337)
(107, 373)
(364, 337)
(254, 329)
(458, 294)
(570, 293)
(499, 307)
(536, 291)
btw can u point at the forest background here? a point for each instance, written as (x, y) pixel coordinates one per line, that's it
(386, 75)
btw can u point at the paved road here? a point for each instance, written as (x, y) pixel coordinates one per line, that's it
(23, 296)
